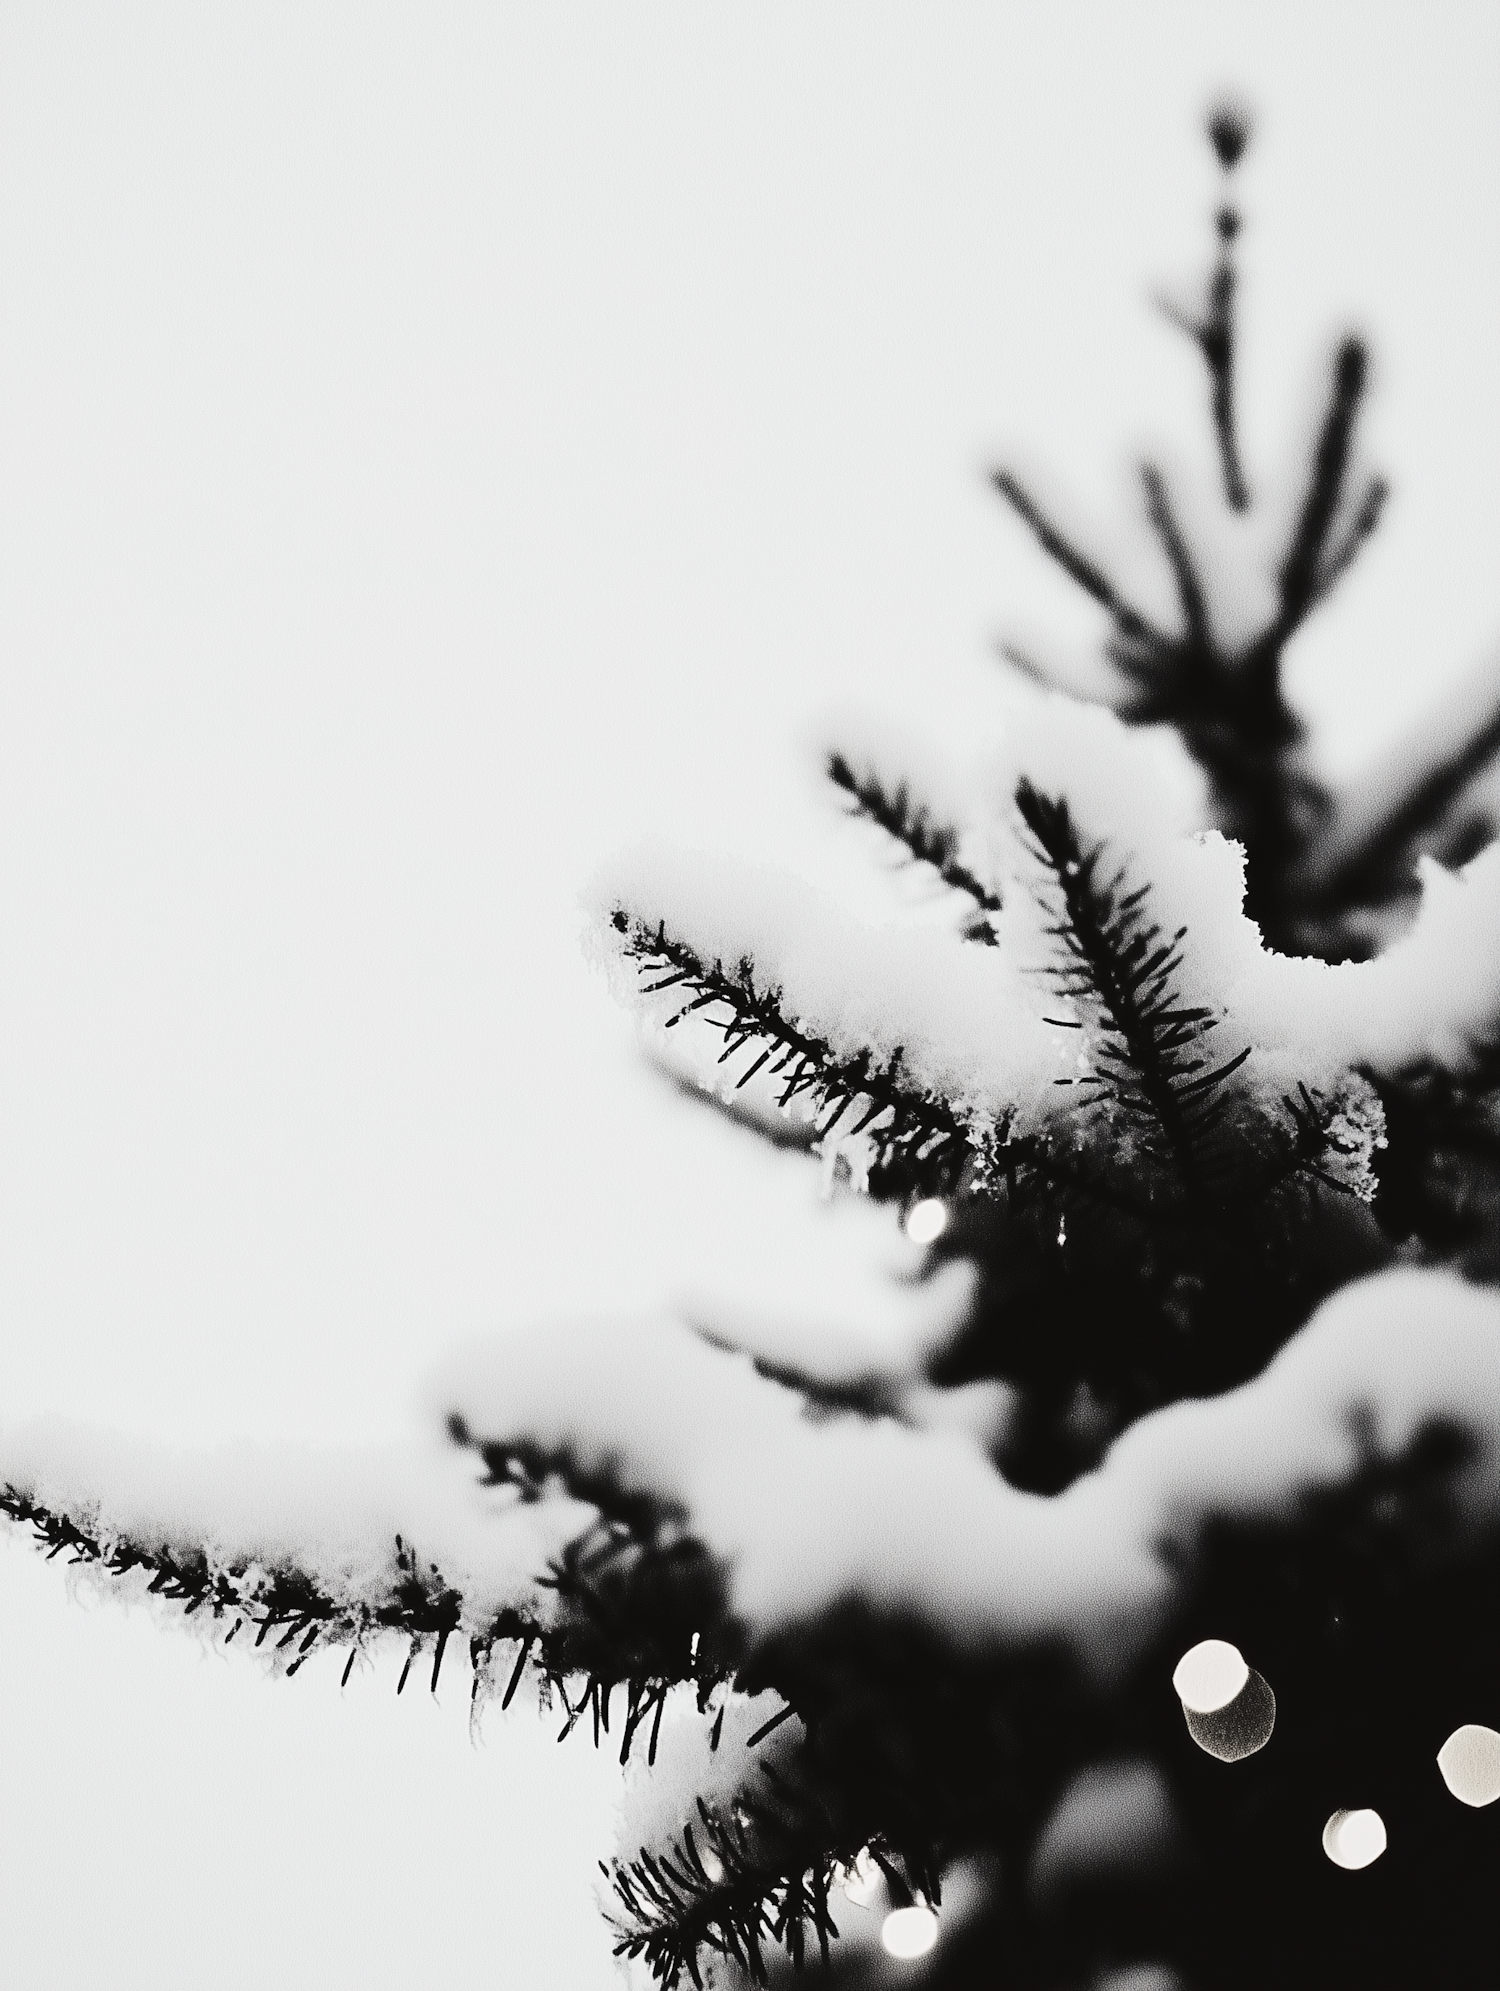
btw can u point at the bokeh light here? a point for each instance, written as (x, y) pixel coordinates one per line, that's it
(1209, 1675)
(1354, 1839)
(1470, 1764)
(909, 1932)
(927, 1220)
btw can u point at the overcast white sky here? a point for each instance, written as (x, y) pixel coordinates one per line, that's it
(435, 446)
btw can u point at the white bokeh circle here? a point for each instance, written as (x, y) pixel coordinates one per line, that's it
(927, 1220)
(1354, 1839)
(1470, 1764)
(909, 1932)
(1209, 1675)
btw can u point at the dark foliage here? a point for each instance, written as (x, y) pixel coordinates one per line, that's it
(1162, 1242)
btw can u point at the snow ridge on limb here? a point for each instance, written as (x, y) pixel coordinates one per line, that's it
(1431, 999)
(802, 1515)
(306, 1549)
(796, 1512)
(412, 1600)
(904, 1038)
(1088, 1583)
(859, 1083)
(946, 1061)
(302, 1551)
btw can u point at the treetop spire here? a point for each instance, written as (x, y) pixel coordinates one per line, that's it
(1230, 129)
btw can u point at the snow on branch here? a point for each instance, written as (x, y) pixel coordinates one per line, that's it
(932, 1052)
(859, 1083)
(910, 1034)
(803, 1516)
(799, 1513)
(307, 1550)
(1433, 998)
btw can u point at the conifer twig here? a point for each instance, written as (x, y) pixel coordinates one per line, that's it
(678, 1906)
(1301, 579)
(1360, 529)
(1228, 704)
(630, 1604)
(1056, 544)
(908, 1124)
(418, 1604)
(1174, 544)
(915, 828)
(1214, 331)
(1120, 960)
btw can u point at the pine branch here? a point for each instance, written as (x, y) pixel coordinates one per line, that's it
(752, 1875)
(1360, 529)
(638, 1610)
(643, 1604)
(1217, 341)
(909, 1125)
(1214, 331)
(1174, 544)
(914, 827)
(1382, 857)
(1302, 579)
(418, 1604)
(1056, 544)
(781, 1130)
(1120, 962)
(1229, 706)
(1229, 710)
(725, 1897)
(1214, 336)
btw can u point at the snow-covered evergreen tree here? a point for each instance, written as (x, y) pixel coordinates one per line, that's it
(1103, 1630)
